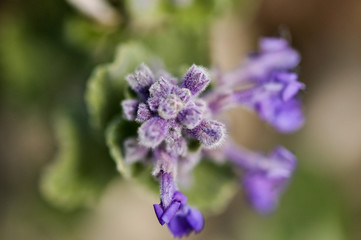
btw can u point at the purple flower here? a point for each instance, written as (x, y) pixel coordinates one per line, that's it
(134, 151)
(267, 86)
(196, 80)
(143, 113)
(153, 132)
(141, 80)
(171, 115)
(174, 211)
(209, 133)
(275, 55)
(266, 177)
(129, 107)
(275, 101)
(164, 107)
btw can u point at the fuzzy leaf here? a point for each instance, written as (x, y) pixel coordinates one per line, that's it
(82, 167)
(213, 186)
(107, 86)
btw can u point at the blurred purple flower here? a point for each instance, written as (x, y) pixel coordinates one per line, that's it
(274, 101)
(264, 85)
(170, 115)
(266, 177)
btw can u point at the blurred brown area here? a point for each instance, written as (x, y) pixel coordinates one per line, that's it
(328, 35)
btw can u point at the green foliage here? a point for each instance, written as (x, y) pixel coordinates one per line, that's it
(116, 133)
(145, 14)
(96, 40)
(106, 86)
(32, 67)
(194, 145)
(309, 209)
(82, 167)
(179, 47)
(213, 186)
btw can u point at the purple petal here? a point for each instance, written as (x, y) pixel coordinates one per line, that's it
(190, 117)
(141, 80)
(263, 65)
(196, 79)
(291, 90)
(143, 113)
(269, 44)
(153, 103)
(134, 151)
(285, 116)
(179, 226)
(202, 105)
(210, 133)
(170, 212)
(180, 197)
(195, 219)
(176, 146)
(183, 93)
(170, 107)
(159, 212)
(291, 85)
(129, 107)
(286, 77)
(152, 132)
(275, 55)
(279, 163)
(289, 117)
(161, 88)
(284, 155)
(267, 177)
(262, 191)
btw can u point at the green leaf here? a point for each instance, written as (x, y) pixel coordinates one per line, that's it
(82, 167)
(33, 68)
(145, 14)
(214, 186)
(115, 135)
(142, 174)
(106, 86)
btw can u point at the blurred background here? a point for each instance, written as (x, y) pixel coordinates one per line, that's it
(49, 48)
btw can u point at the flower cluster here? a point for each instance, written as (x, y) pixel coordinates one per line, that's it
(174, 113)
(170, 115)
(166, 109)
